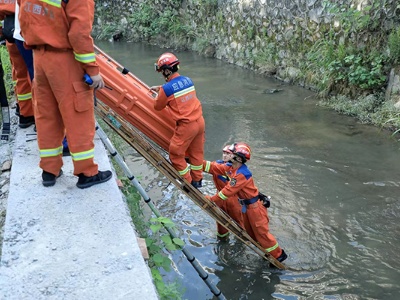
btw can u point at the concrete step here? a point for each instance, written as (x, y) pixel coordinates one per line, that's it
(63, 242)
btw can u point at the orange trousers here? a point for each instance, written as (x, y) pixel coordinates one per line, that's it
(188, 138)
(63, 103)
(232, 207)
(256, 224)
(23, 86)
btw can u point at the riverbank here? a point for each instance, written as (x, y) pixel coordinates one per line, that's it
(62, 241)
(348, 54)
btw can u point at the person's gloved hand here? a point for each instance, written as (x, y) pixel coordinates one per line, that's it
(208, 197)
(98, 82)
(155, 88)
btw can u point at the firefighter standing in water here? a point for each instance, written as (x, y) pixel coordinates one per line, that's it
(241, 184)
(231, 205)
(179, 95)
(59, 32)
(19, 70)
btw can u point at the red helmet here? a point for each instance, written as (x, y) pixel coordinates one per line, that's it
(242, 150)
(227, 149)
(166, 61)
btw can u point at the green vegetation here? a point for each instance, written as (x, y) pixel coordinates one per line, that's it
(158, 259)
(268, 55)
(107, 31)
(164, 25)
(8, 82)
(369, 110)
(349, 53)
(158, 241)
(338, 63)
(394, 46)
(345, 69)
(351, 19)
(5, 61)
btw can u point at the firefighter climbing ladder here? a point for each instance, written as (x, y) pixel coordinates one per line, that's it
(143, 147)
(117, 157)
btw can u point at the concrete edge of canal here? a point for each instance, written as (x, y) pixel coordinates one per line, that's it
(62, 242)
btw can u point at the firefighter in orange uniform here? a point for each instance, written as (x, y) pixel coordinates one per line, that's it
(179, 96)
(255, 215)
(231, 205)
(59, 32)
(20, 72)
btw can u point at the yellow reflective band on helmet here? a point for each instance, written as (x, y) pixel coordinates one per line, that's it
(196, 168)
(207, 167)
(56, 3)
(222, 196)
(50, 152)
(183, 172)
(24, 97)
(272, 248)
(83, 155)
(184, 92)
(222, 235)
(85, 58)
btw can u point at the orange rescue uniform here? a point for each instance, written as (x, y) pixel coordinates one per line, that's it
(231, 205)
(180, 96)
(20, 72)
(60, 35)
(255, 215)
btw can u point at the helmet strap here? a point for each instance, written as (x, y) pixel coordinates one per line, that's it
(166, 73)
(239, 159)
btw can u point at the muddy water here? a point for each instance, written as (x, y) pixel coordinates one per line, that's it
(335, 186)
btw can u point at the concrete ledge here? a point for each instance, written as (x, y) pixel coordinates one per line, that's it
(62, 242)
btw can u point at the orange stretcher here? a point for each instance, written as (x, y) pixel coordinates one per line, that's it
(131, 98)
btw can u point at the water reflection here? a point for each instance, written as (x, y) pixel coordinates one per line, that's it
(334, 185)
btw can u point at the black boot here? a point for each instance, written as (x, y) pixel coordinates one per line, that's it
(49, 179)
(282, 257)
(197, 184)
(25, 122)
(87, 181)
(17, 109)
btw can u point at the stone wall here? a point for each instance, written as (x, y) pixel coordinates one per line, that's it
(269, 36)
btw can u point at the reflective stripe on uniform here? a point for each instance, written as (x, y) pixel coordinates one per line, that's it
(207, 167)
(85, 58)
(24, 97)
(56, 3)
(50, 152)
(183, 172)
(184, 92)
(83, 155)
(196, 168)
(222, 235)
(272, 248)
(222, 196)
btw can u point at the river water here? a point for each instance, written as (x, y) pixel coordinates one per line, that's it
(335, 187)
